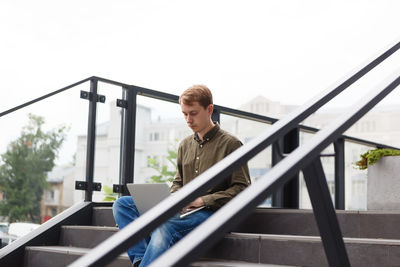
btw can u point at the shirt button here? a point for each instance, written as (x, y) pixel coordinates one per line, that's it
(196, 171)
(201, 145)
(197, 157)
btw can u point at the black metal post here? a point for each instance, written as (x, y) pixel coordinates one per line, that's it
(277, 155)
(128, 138)
(339, 174)
(216, 115)
(91, 139)
(288, 196)
(325, 214)
(118, 188)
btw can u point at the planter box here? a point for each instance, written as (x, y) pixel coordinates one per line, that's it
(384, 184)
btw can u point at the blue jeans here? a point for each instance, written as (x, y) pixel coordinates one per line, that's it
(162, 238)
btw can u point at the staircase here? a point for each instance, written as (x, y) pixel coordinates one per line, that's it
(268, 237)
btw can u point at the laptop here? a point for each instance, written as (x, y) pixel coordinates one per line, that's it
(147, 196)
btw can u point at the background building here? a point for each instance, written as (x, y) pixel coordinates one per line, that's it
(58, 196)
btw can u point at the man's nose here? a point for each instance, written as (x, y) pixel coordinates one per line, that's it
(188, 119)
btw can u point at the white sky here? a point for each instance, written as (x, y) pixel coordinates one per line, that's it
(287, 51)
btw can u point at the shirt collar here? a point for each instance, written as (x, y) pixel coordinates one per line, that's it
(209, 135)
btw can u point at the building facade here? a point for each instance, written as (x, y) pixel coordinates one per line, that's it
(58, 196)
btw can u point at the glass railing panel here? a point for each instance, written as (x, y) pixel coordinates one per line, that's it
(355, 180)
(63, 110)
(160, 127)
(304, 198)
(246, 130)
(328, 164)
(108, 142)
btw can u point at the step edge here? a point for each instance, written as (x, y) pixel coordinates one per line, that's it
(90, 227)
(66, 250)
(308, 211)
(349, 240)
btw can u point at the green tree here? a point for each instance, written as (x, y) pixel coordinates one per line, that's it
(164, 175)
(24, 170)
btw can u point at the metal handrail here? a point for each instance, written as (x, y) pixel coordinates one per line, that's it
(207, 234)
(143, 225)
(257, 117)
(43, 97)
(174, 99)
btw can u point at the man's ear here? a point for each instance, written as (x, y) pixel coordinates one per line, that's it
(210, 109)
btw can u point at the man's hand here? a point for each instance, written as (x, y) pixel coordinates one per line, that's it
(195, 204)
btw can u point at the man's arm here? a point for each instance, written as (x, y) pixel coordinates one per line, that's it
(239, 180)
(177, 183)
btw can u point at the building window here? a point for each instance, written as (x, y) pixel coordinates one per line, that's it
(148, 161)
(153, 161)
(53, 212)
(50, 195)
(156, 136)
(259, 107)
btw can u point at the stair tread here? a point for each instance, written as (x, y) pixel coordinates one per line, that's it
(353, 223)
(91, 227)
(65, 250)
(230, 263)
(260, 244)
(378, 241)
(102, 208)
(48, 256)
(382, 241)
(199, 263)
(305, 211)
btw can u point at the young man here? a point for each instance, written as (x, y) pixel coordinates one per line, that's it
(198, 152)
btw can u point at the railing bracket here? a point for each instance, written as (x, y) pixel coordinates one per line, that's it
(89, 96)
(119, 188)
(82, 185)
(122, 103)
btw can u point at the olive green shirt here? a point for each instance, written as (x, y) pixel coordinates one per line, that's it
(196, 156)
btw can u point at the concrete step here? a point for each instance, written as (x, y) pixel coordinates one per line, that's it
(357, 224)
(85, 236)
(225, 263)
(263, 248)
(303, 250)
(62, 256)
(102, 216)
(50, 256)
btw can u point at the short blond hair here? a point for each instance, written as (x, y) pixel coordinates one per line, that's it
(197, 93)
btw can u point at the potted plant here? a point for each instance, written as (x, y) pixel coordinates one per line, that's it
(383, 186)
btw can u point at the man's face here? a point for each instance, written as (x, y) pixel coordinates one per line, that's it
(196, 116)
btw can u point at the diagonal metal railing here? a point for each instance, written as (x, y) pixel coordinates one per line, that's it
(302, 158)
(56, 92)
